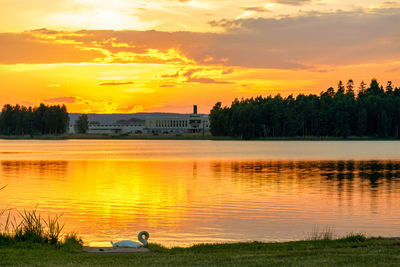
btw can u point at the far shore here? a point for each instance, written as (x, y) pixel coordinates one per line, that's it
(188, 136)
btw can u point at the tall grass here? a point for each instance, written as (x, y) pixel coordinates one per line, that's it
(30, 226)
(328, 233)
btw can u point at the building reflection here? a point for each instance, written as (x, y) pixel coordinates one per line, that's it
(41, 168)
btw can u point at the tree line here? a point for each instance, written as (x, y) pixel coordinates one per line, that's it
(21, 120)
(371, 110)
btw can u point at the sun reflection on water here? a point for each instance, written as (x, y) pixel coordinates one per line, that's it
(186, 202)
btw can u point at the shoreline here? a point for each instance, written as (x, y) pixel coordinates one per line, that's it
(196, 136)
(353, 250)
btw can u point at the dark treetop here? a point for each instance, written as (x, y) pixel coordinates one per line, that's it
(21, 120)
(372, 111)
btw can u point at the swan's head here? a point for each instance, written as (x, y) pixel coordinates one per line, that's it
(146, 237)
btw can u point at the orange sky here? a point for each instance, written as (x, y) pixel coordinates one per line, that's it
(120, 56)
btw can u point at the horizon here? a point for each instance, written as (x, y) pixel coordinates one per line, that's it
(355, 87)
(120, 56)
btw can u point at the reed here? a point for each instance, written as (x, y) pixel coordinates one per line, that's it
(29, 226)
(54, 229)
(328, 233)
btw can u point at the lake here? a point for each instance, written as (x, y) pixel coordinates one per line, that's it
(188, 192)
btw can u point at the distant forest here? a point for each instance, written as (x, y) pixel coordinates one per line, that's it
(368, 111)
(21, 120)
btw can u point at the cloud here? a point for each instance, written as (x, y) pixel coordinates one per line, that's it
(293, 2)
(190, 72)
(227, 71)
(30, 49)
(97, 106)
(301, 42)
(167, 85)
(130, 109)
(390, 4)
(170, 75)
(225, 23)
(396, 69)
(259, 9)
(115, 83)
(206, 80)
(55, 100)
(312, 39)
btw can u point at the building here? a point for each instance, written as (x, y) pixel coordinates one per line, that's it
(115, 129)
(97, 128)
(177, 124)
(190, 123)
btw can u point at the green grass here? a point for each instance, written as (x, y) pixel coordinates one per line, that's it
(341, 252)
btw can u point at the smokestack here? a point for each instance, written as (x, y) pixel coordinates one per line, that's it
(194, 109)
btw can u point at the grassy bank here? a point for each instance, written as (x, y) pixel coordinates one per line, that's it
(188, 136)
(28, 239)
(365, 252)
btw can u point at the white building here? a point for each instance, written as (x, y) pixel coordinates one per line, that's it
(111, 128)
(115, 129)
(190, 123)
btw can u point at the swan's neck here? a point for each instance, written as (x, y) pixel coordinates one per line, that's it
(143, 241)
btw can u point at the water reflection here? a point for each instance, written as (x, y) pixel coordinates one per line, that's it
(185, 202)
(41, 168)
(342, 180)
(376, 173)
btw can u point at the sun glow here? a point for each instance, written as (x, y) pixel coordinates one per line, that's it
(99, 18)
(115, 56)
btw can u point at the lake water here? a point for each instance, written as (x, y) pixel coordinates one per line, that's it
(188, 192)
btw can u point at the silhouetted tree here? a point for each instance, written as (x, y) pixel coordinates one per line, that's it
(82, 124)
(374, 88)
(21, 120)
(350, 87)
(340, 88)
(373, 112)
(389, 88)
(362, 89)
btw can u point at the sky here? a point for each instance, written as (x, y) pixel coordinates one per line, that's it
(124, 56)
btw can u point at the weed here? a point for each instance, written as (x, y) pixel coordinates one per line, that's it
(29, 226)
(325, 234)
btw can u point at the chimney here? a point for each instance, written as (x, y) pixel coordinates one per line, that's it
(194, 109)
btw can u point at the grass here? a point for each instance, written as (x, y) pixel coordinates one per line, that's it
(29, 239)
(28, 227)
(326, 234)
(340, 252)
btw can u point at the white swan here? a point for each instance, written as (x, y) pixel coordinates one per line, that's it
(133, 244)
